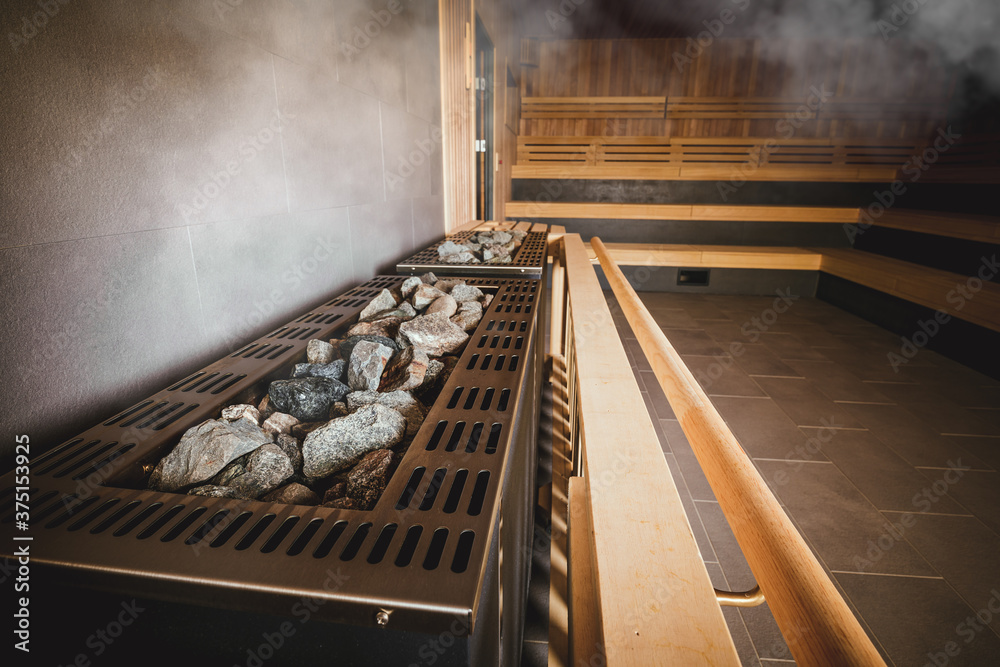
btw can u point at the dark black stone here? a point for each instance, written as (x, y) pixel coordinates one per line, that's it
(307, 399)
(334, 371)
(347, 345)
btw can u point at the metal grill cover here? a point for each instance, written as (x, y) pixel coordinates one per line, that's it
(528, 261)
(421, 555)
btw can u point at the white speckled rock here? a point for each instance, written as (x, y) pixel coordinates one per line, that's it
(384, 301)
(319, 352)
(400, 401)
(409, 285)
(435, 334)
(241, 411)
(204, 451)
(443, 304)
(343, 442)
(279, 422)
(425, 295)
(466, 293)
(368, 360)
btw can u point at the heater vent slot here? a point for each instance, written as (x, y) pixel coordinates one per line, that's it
(479, 493)
(381, 545)
(280, 534)
(299, 545)
(82, 523)
(491, 444)
(207, 529)
(255, 532)
(409, 546)
(71, 509)
(430, 494)
(326, 546)
(463, 552)
(131, 524)
(160, 522)
(455, 495)
(56, 451)
(436, 549)
(354, 544)
(183, 525)
(230, 530)
(115, 518)
(411, 487)
(456, 436)
(477, 431)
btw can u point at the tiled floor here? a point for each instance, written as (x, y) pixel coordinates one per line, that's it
(891, 475)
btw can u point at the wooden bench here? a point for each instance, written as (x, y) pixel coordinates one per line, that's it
(593, 107)
(713, 256)
(600, 210)
(711, 158)
(933, 288)
(982, 228)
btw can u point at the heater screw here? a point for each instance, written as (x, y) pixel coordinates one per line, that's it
(382, 618)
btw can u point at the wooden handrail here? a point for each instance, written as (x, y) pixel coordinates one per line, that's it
(817, 624)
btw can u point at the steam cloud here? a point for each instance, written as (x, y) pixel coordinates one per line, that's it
(963, 34)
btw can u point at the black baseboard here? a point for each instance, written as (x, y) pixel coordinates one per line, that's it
(964, 342)
(956, 197)
(940, 252)
(750, 282)
(713, 232)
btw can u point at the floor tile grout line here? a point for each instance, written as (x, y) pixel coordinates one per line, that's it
(915, 513)
(889, 574)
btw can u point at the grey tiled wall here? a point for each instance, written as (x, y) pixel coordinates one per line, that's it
(180, 176)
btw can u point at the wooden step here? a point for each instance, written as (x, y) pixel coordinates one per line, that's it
(712, 256)
(600, 210)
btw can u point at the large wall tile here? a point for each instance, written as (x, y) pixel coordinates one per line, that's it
(87, 334)
(381, 235)
(130, 114)
(408, 145)
(258, 274)
(333, 142)
(428, 220)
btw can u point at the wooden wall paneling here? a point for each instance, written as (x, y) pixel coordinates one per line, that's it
(729, 67)
(457, 110)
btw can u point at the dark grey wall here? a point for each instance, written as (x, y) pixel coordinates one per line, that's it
(180, 176)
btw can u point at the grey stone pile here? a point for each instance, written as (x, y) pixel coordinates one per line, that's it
(334, 432)
(488, 247)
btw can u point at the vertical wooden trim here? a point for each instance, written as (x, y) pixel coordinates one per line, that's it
(458, 113)
(586, 645)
